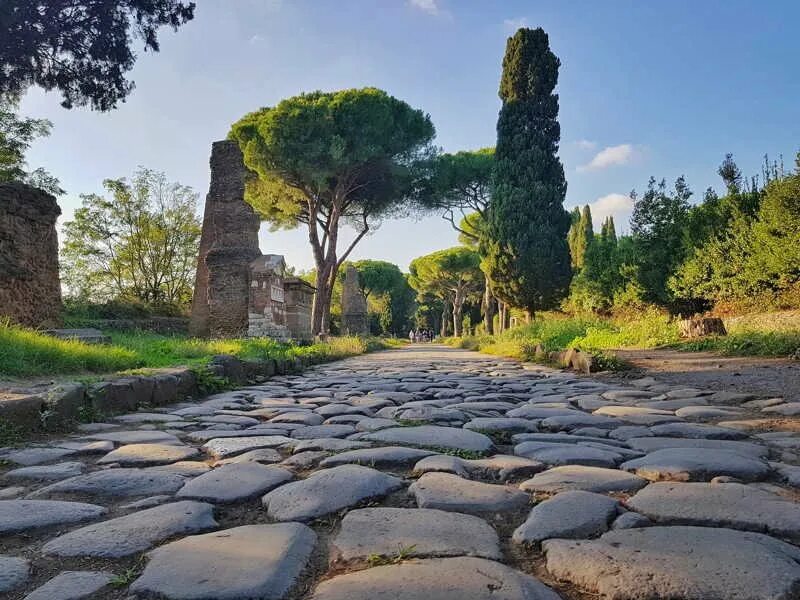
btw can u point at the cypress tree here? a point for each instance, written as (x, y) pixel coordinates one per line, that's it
(527, 256)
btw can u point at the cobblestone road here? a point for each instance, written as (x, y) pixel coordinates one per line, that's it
(421, 474)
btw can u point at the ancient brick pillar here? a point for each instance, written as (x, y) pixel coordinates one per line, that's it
(354, 306)
(30, 289)
(228, 244)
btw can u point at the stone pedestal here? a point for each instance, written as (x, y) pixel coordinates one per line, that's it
(228, 244)
(355, 320)
(30, 289)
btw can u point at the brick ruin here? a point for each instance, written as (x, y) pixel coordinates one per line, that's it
(238, 290)
(30, 289)
(355, 320)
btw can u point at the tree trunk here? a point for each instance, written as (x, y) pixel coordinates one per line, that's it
(458, 305)
(501, 317)
(488, 306)
(445, 317)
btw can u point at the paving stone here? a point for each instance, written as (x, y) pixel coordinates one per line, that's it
(788, 473)
(22, 515)
(445, 491)
(234, 483)
(225, 447)
(146, 417)
(731, 505)
(327, 491)
(148, 502)
(788, 409)
(695, 430)
(553, 453)
(47, 472)
(534, 411)
(383, 457)
(651, 444)
(14, 491)
(135, 532)
(729, 398)
(34, 456)
(13, 572)
(708, 412)
(573, 514)
(184, 468)
(148, 454)
(506, 424)
(630, 520)
(686, 464)
(462, 578)
(252, 561)
(432, 436)
(500, 467)
(118, 482)
(322, 431)
(580, 419)
(690, 563)
(567, 438)
(374, 424)
(136, 437)
(261, 455)
(330, 445)
(418, 532)
(304, 460)
(72, 585)
(580, 477)
(627, 432)
(301, 417)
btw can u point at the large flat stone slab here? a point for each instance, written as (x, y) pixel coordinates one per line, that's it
(135, 437)
(687, 464)
(27, 457)
(234, 482)
(463, 578)
(731, 505)
(139, 455)
(574, 514)
(224, 447)
(579, 477)
(383, 457)
(418, 532)
(72, 585)
(433, 436)
(134, 533)
(651, 444)
(500, 467)
(13, 572)
(328, 491)
(690, 563)
(118, 482)
(22, 515)
(252, 561)
(445, 491)
(48, 472)
(556, 453)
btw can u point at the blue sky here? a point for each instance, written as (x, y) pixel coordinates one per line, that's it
(661, 88)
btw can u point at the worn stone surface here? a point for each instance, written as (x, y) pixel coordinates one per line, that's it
(234, 483)
(13, 572)
(450, 492)
(579, 477)
(731, 505)
(440, 579)
(225, 447)
(417, 532)
(327, 491)
(573, 514)
(501, 467)
(72, 585)
(22, 515)
(47, 472)
(148, 454)
(118, 482)
(385, 457)
(691, 563)
(252, 561)
(134, 533)
(686, 464)
(433, 436)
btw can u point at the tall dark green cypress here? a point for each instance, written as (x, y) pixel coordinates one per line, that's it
(527, 256)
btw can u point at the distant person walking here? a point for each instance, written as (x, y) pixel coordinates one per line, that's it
(412, 337)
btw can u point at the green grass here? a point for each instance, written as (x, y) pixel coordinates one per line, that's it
(748, 343)
(27, 353)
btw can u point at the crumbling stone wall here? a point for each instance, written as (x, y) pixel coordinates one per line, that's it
(30, 289)
(354, 306)
(299, 299)
(228, 244)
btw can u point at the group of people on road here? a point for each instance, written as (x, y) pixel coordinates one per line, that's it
(420, 335)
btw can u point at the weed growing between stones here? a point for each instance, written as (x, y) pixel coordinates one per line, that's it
(403, 553)
(209, 383)
(460, 453)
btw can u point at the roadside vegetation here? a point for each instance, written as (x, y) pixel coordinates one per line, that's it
(27, 353)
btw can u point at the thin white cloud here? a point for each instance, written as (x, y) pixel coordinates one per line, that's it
(255, 39)
(619, 206)
(511, 25)
(428, 6)
(586, 144)
(610, 156)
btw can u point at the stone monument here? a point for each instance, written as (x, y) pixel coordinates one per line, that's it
(239, 291)
(267, 304)
(30, 289)
(228, 245)
(355, 320)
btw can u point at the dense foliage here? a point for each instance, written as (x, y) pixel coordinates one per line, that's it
(82, 48)
(324, 160)
(140, 244)
(527, 258)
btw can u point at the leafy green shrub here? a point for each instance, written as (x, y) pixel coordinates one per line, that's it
(748, 343)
